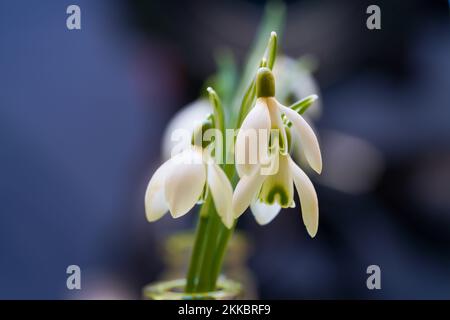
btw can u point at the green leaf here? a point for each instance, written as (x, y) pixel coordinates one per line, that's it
(302, 105)
(268, 60)
(226, 76)
(273, 20)
(271, 52)
(219, 121)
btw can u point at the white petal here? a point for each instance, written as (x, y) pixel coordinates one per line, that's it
(297, 152)
(308, 138)
(308, 199)
(184, 183)
(264, 213)
(248, 143)
(245, 192)
(222, 193)
(155, 202)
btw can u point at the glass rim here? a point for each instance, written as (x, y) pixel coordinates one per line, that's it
(174, 290)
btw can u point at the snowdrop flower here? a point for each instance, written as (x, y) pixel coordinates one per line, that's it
(180, 183)
(267, 194)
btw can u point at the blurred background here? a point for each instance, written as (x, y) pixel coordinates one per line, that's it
(83, 112)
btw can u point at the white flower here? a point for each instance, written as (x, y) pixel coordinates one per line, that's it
(267, 194)
(179, 183)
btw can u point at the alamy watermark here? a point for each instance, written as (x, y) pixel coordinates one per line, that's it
(261, 147)
(73, 281)
(373, 22)
(73, 21)
(374, 280)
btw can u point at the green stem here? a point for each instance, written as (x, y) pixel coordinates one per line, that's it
(214, 225)
(224, 237)
(217, 238)
(199, 247)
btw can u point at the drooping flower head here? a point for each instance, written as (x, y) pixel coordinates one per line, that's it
(181, 182)
(268, 192)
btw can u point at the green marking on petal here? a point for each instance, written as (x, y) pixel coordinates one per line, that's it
(279, 187)
(277, 194)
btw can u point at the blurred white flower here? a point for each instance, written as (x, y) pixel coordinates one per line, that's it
(295, 81)
(188, 118)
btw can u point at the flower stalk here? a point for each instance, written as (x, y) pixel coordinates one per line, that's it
(210, 244)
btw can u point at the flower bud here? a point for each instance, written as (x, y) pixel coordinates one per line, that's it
(265, 83)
